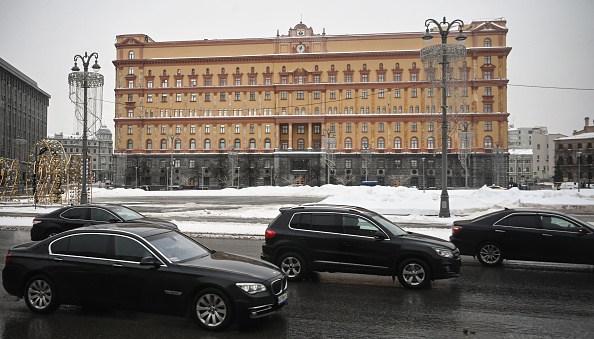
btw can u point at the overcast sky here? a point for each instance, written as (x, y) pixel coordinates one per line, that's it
(551, 46)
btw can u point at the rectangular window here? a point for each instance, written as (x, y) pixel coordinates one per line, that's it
(397, 93)
(192, 82)
(193, 97)
(413, 127)
(237, 81)
(192, 129)
(222, 129)
(283, 79)
(267, 81)
(364, 127)
(348, 94)
(488, 126)
(129, 129)
(488, 91)
(488, 108)
(348, 163)
(149, 84)
(285, 129)
(487, 60)
(267, 129)
(130, 113)
(398, 163)
(348, 127)
(163, 97)
(332, 94)
(380, 127)
(414, 77)
(252, 81)
(163, 129)
(207, 129)
(381, 78)
(178, 83)
(283, 95)
(223, 82)
(266, 95)
(149, 129)
(316, 79)
(397, 127)
(348, 78)
(332, 79)
(316, 94)
(237, 129)
(300, 95)
(364, 78)
(413, 93)
(237, 96)
(164, 83)
(300, 129)
(223, 96)
(380, 93)
(207, 97)
(178, 97)
(252, 96)
(364, 94)
(397, 77)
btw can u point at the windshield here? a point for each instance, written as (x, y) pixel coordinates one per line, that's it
(177, 247)
(125, 213)
(390, 226)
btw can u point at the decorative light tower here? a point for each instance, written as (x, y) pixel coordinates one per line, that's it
(85, 80)
(443, 54)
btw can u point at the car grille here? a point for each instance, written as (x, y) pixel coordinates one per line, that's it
(279, 285)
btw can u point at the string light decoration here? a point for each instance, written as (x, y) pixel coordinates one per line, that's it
(45, 172)
(9, 178)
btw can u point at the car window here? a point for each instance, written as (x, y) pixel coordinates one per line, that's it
(79, 213)
(84, 245)
(177, 247)
(355, 225)
(519, 220)
(126, 213)
(324, 222)
(129, 249)
(301, 221)
(101, 214)
(551, 222)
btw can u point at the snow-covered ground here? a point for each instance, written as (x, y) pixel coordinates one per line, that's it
(400, 204)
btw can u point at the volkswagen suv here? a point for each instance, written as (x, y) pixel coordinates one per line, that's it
(350, 239)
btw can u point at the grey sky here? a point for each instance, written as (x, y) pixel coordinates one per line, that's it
(551, 46)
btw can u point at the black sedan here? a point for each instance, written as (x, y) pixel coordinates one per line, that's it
(523, 234)
(143, 267)
(70, 217)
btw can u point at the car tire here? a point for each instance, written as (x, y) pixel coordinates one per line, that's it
(414, 274)
(40, 295)
(490, 254)
(293, 266)
(212, 310)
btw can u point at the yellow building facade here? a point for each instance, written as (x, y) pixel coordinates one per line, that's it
(306, 108)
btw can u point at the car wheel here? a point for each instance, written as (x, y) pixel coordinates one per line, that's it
(40, 295)
(293, 266)
(490, 254)
(414, 274)
(212, 310)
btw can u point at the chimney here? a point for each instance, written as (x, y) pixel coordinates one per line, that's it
(587, 121)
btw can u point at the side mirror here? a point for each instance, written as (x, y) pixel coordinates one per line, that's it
(379, 236)
(150, 261)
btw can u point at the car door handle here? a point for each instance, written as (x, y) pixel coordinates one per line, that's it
(500, 231)
(117, 265)
(547, 235)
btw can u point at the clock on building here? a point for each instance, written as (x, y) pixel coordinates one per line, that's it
(300, 48)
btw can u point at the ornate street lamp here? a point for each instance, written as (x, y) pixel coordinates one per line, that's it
(85, 80)
(443, 54)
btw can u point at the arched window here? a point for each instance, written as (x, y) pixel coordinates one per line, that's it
(381, 143)
(488, 142)
(207, 144)
(129, 144)
(332, 67)
(267, 69)
(364, 143)
(430, 143)
(222, 144)
(131, 55)
(252, 143)
(177, 143)
(149, 144)
(267, 143)
(381, 66)
(410, 109)
(397, 143)
(348, 143)
(348, 67)
(487, 42)
(163, 143)
(414, 65)
(300, 144)
(192, 144)
(414, 142)
(365, 66)
(237, 144)
(316, 68)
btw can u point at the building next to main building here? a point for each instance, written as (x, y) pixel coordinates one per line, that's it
(306, 108)
(574, 156)
(23, 114)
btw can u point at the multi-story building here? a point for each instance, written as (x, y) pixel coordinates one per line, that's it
(23, 114)
(540, 144)
(305, 108)
(100, 151)
(574, 156)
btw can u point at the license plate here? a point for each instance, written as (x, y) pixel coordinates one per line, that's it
(282, 298)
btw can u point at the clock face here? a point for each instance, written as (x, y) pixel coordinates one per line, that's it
(300, 32)
(300, 48)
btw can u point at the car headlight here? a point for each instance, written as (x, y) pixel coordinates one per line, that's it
(444, 252)
(251, 288)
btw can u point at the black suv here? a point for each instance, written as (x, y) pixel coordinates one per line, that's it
(336, 238)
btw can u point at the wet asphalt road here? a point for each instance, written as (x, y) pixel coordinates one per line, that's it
(518, 300)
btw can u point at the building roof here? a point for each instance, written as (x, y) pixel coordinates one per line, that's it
(520, 151)
(589, 135)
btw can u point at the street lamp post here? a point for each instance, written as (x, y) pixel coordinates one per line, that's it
(86, 82)
(171, 136)
(329, 144)
(136, 167)
(579, 160)
(423, 160)
(444, 29)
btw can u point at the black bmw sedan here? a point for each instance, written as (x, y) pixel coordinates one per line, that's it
(146, 268)
(70, 217)
(525, 234)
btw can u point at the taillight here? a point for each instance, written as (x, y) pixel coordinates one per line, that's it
(269, 234)
(8, 258)
(456, 229)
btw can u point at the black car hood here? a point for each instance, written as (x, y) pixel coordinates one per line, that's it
(234, 263)
(429, 240)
